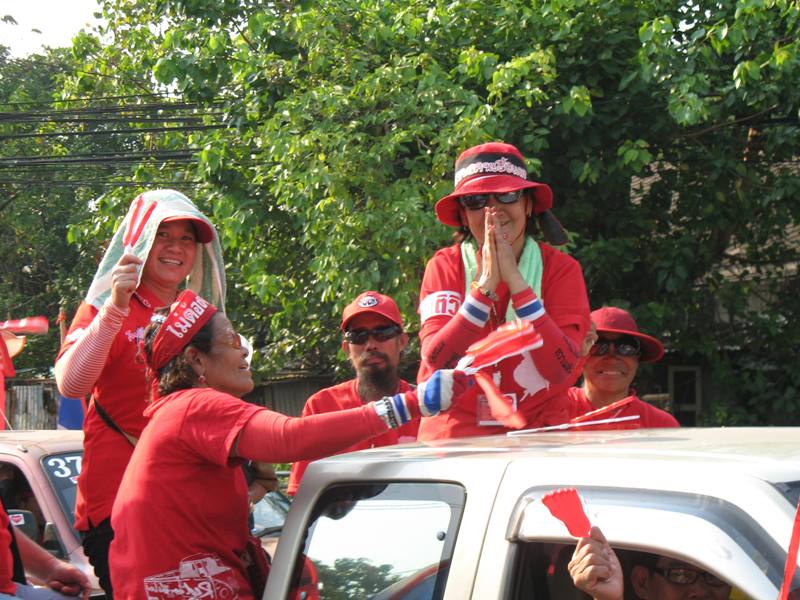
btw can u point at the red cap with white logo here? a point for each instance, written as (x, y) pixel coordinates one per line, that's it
(372, 302)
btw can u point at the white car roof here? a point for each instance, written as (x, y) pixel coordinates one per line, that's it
(769, 453)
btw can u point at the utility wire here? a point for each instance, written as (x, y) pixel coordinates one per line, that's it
(84, 99)
(17, 136)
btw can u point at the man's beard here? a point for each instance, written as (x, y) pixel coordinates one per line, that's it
(375, 382)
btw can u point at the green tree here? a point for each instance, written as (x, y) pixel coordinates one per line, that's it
(351, 578)
(39, 269)
(667, 129)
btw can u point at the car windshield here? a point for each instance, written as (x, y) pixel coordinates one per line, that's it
(269, 513)
(62, 471)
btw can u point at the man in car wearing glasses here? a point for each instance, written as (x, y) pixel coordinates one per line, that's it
(596, 570)
(373, 341)
(609, 371)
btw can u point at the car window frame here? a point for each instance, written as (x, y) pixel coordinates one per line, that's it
(452, 534)
(717, 513)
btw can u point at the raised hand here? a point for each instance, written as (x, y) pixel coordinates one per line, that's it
(595, 568)
(504, 258)
(489, 277)
(124, 278)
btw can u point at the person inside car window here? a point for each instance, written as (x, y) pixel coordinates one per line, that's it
(595, 569)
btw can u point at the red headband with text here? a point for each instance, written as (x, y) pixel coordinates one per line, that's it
(187, 316)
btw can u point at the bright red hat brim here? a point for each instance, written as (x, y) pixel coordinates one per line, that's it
(652, 349)
(205, 234)
(447, 208)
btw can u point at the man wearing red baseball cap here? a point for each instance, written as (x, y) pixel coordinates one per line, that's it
(610, 368)
(373, 340)
(500, 270)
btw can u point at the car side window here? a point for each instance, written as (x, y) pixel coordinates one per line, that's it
(17, 494)
(380, 541)
(541, 573)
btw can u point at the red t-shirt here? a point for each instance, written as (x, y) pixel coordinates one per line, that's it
(121, 391)
(7, 586)
(649, 415)
(535, 381)
(180, 517)
(341, 397)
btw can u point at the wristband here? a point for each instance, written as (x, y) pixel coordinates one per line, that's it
(490, 294)
(392, 410)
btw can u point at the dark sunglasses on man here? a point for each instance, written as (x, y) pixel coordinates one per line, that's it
(623, 346)
(379, 334)
(686, 576)
(479, 201)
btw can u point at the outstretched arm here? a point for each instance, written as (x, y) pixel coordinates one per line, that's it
(59, 575)
(273, 437)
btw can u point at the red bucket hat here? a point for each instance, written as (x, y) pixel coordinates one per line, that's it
(372, 302)
(492, 168)
(611, 319)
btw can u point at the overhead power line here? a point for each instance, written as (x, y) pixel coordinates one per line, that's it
(96, 158)
(95, 132)
(98, 110)
(84, 99)
(108, 183)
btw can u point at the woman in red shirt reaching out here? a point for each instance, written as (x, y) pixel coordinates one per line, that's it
(495, 273)
(172, 537)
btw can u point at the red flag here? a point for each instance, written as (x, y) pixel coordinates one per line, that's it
(565, 505)
(33, 325)
(791, 558)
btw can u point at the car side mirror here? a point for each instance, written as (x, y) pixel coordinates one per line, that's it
(25, 521)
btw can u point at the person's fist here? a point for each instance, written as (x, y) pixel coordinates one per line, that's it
(429, 398)
(124, 279)
(437, 393)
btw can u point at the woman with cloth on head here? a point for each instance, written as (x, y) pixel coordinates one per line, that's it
(174, 538)
(495, 273)
(610, 369)
(163, 241)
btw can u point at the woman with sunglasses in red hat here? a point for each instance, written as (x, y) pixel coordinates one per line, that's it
(495, 273)
(609, 371)
(179, 516)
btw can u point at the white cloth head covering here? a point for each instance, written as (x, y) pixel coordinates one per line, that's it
(207, 277)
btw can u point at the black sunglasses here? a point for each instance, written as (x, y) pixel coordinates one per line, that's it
(479, 201)
(379, 334)
(623, 346)
(684, 576)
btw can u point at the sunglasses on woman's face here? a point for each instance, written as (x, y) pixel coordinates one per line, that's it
(623, 346)
(379, 334)
(479, 201)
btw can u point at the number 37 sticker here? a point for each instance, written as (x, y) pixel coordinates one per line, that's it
(65, 465)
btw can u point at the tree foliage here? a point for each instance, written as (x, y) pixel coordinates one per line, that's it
(39, 270)
(668, 131)
(354, 578)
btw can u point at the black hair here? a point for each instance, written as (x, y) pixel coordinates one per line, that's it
(178, 373)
